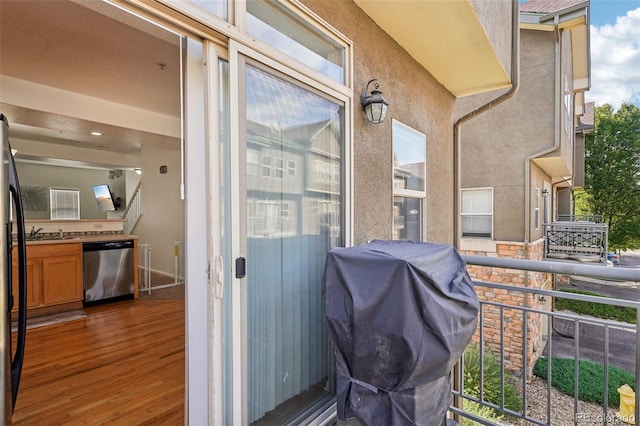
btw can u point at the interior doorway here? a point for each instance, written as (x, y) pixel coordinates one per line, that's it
(107, 71)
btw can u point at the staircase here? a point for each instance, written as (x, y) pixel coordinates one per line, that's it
(133, 212)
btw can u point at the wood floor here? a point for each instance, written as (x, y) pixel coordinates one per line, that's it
(121, 365)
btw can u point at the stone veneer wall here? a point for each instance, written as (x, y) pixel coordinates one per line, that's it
(513, 334)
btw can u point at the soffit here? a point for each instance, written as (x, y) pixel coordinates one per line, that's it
(553, 166)
(446, 38)
(569, 15)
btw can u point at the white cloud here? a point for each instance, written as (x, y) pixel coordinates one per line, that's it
(615, 61)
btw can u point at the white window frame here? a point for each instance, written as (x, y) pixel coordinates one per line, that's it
(399, 191)
(536, 209)
(278, 168)
(69, 198)
(253, 162)
(291, 168)
(267, 165)
(462, 214)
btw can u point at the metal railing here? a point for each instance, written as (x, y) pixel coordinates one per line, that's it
(579, 241)
(529, 313)
(594, 218)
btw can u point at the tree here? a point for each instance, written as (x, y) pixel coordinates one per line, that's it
(612, 173)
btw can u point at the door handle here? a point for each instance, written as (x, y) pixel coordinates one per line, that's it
(219, 271)
(241, 267)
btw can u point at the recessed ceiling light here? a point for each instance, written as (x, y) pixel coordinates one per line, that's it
(96, 133)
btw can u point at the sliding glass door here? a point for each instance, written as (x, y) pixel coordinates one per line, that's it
(290, 203)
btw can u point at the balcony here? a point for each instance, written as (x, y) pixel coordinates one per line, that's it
(520, 327)
(580, 241)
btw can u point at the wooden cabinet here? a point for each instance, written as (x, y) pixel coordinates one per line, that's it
(54, 275)
(34, 273)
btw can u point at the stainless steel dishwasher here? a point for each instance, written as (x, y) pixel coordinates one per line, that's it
(108, 270)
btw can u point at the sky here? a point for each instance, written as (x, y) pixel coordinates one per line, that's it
(615, 52)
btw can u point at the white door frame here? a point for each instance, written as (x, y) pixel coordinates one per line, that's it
(197, 294)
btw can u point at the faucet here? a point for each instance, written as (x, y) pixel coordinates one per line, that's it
(34, 231)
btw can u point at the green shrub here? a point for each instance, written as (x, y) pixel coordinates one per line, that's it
(618, 313)
(482, 411)
(590, 380)
(491, 378)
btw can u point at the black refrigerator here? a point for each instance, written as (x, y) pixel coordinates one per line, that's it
(12, 229)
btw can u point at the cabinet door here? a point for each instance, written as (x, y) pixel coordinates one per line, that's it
(62, 279)
(34, 278)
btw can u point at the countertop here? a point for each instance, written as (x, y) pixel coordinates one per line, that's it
(82, 239)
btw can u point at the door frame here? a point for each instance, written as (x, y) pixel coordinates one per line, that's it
(238, 221)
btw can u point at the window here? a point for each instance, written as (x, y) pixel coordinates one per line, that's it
(291, 167)
(409, 170)
(253, 162)
(325, 172)
(568, 109)
(477, 212)
(278, 170)
(65, 203)
(280, 28)
(536, 210)
(267, 163)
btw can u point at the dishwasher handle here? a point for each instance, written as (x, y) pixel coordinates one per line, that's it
(107, 245)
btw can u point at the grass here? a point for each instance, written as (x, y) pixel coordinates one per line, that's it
(598, 310)
(590, 379)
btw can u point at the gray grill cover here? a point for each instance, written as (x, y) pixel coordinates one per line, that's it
(399, 314)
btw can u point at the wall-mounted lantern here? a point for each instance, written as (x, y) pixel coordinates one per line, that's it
(374, 105)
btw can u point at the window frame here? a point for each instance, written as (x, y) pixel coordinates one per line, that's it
(463, 214)
(54, 192)
(398, 191)
(536, 209)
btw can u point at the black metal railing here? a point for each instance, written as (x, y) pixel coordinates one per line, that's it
(533, 313)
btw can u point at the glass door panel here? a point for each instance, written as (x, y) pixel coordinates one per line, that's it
(293, 141)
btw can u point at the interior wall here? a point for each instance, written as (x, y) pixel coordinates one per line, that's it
(163, 218)
(46, 176)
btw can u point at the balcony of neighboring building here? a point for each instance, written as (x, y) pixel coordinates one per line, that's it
(574, 239)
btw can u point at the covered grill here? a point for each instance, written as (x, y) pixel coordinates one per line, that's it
(399, 314)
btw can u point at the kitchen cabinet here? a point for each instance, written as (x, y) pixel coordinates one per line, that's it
(34, 271)
(54, 277)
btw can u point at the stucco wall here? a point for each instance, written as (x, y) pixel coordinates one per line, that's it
(418, 101)
(496, 17)
(538, 180)
(495, 144)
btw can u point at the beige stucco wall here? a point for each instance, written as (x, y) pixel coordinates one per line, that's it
(495, 145)
(496, 18)
(418, 101)
(565, 117)
(538, 180)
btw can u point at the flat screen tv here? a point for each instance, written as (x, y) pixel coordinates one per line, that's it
(104, 198)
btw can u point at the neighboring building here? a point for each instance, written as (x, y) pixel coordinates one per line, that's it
(520, 159)
(280, 164)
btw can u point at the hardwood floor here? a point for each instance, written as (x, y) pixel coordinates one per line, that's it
(123, 364)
